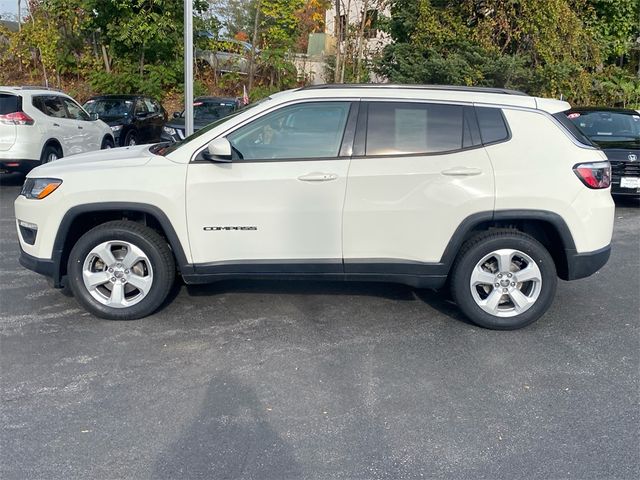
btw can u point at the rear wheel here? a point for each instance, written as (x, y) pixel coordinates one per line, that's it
(50, 153)
(504, 280)
(121, 270)
(106, 143)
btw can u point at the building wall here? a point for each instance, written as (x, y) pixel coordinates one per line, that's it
(354, 17)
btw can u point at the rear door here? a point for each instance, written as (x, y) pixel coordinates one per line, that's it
(9, 103)
(57, 124)
(418, 171)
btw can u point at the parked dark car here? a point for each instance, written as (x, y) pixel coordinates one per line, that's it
(205, 111)
(134, 119)
(617, 132)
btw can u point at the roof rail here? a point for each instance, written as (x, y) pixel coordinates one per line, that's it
(32, 87)
(457, 88)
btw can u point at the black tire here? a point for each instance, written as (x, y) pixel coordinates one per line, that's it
(131, 139)
(48, 151)
(107, 142)
(153, 245)
(475, 250)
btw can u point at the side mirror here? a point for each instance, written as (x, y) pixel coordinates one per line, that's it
(218, 150)
(176, 114)
(94, 116)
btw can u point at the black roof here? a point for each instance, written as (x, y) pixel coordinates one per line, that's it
(215, 99)
(457, 88)
(627, 111)
(124, 96)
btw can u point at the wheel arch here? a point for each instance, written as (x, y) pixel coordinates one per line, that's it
(80, 219)
(548, 228)
(106, 137)
(52, 141)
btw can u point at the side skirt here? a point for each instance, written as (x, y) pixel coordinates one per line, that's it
(418, 275)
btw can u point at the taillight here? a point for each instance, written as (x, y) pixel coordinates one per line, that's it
(595, 174)
(16, 118)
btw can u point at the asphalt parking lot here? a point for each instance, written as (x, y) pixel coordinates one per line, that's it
(320, 380)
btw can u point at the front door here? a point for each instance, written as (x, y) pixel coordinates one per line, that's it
(277, 207)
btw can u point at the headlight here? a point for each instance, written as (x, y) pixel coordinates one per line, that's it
(116, 128)
(169, 130)
(39, 188)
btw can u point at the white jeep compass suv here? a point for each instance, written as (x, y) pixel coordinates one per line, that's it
(490, 191)
(39, 125)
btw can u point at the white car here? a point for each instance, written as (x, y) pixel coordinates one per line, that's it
(40, 125)
(492, 190)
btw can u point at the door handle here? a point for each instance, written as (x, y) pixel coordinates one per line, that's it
(461, 172)
(318, 177)
(80, 128)
(56, 124)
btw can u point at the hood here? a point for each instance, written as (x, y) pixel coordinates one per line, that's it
(115, 120)
(98, 160)
(179, 123)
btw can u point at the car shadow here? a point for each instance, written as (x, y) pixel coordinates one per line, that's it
(304, 287)
(438, 300)
(627, 202)
(11, 179)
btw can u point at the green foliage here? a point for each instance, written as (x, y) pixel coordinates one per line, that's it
(544, 47)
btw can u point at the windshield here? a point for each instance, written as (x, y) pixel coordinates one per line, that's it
(167, 149)
(109, 107)
(605, 128)
(211, 111)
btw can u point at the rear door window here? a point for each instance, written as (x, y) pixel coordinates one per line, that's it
(415, 128)
(9, 103)
(50, 105)
(493, 127)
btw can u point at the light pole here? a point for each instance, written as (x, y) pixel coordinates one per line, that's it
(188, 67)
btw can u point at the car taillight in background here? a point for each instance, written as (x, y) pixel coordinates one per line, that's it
(594, 175)
(16, 118)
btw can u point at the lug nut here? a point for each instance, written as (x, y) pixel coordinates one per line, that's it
(509, 275)
(127, 272)
(113, 279)
(497, 284)
(110, 270)
(123, 280)
(499, 275)
(513, 284)
(504, 290)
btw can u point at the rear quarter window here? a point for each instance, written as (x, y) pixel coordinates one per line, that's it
(493, 127)
(9, 103)
(571, 127)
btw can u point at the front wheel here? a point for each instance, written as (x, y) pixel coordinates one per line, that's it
(503, 280)
(121, 270)
(131, 139)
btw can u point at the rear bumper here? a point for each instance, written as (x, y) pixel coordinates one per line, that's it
(21, 166)
(582, 265)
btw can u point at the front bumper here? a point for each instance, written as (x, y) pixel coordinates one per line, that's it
(582, 265)
(48, 268)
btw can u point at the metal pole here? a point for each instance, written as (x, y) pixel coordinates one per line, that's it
(188, 67)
